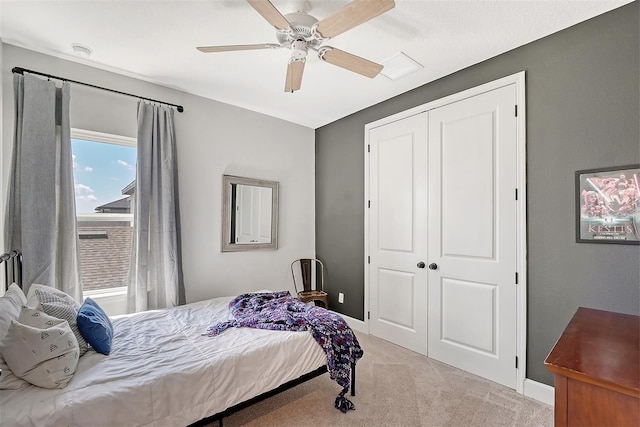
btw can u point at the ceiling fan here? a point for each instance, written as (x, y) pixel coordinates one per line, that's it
(300, 32)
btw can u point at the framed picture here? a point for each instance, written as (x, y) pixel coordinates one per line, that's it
(608, 205)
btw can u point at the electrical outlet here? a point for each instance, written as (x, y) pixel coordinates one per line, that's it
(340, 297)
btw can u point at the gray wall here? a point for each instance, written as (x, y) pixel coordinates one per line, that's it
(582, 112)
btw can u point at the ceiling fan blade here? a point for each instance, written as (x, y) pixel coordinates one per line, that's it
(350, 62)
(230, 48)
(352, 15)
(294, 76)
(270, 13)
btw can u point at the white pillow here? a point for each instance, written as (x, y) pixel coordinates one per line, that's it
(62, 307)
(41, 349)
(32, 298)
(8, 381)
(10, 305)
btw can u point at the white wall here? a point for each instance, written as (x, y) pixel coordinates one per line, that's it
(213, 139)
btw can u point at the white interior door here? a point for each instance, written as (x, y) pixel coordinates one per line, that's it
(472, 235)
(397, 232)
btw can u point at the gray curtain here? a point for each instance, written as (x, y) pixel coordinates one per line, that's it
(156, 279)
(41, 212)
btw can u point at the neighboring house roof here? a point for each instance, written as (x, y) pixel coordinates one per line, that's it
(122, 205)
(130, 188)
(118, 206)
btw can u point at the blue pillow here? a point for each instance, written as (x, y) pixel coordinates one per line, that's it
(95, 326)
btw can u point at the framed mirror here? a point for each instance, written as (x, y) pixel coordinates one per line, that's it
(249, 214)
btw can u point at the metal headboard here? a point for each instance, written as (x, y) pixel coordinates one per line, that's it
(12, 268)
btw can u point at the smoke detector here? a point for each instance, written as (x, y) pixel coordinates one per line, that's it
(81, 50)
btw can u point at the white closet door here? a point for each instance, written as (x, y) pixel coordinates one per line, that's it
(398, 293)
(472, 235)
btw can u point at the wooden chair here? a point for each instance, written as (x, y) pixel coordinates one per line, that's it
(308, 280)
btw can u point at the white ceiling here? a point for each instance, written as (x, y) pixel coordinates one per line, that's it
(156, 40)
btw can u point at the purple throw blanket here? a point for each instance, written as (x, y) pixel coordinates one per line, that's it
(280, 311)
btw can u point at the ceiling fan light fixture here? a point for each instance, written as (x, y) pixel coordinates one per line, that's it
(299, 49)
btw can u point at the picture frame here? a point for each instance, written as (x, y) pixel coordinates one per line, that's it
(608, 205)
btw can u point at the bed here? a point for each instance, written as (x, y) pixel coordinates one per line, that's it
(163, 371)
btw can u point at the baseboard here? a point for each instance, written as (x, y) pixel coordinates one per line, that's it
(539, 391)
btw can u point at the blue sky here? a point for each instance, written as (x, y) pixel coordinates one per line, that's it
(100, 172)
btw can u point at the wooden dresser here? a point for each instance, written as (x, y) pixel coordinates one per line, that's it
(596, 368)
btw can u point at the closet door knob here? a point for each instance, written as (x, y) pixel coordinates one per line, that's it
(421, 264)
(433, 266)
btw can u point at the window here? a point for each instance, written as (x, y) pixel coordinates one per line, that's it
(104, 180)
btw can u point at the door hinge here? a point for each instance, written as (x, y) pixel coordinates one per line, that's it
(516, 110)
(368, 148)
(516, 194)
(516, 362)
(369, 203)
(516, 278)
(368, 315)
(368, 260)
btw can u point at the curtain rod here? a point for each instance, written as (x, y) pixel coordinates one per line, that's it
(20, 70)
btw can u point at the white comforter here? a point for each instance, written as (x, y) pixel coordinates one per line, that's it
(162, 372)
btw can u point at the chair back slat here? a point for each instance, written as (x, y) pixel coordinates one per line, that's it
(305, 268)
(309, 275)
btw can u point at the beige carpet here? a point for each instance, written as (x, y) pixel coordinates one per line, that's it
(397, 387)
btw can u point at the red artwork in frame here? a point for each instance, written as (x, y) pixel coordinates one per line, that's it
(608, 205)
